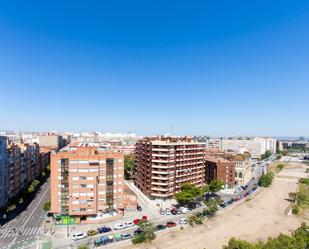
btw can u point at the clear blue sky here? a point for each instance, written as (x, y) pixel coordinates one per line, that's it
(207, 67)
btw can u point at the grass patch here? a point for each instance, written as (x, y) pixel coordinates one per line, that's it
(302, 197)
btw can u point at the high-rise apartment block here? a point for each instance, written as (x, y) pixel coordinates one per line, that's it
(20, 164)
(3, 172)
(87, 181)
(163, 164)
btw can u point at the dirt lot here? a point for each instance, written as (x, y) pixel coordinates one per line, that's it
(257, 219)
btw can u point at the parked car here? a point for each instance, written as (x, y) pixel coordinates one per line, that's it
(78, 236)
(126, 236)
(160, 227)
(179, 211)
(104, 229)
(137, 231)
(184, 210)
(174, 211)
(128, 224)
(171, 224)
(92, 232)
(182, 221)
(162, 212)
(139, 208)
(119, 226)
(168, 212)
(102, 241)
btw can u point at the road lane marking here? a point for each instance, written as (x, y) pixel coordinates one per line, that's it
(36, 206)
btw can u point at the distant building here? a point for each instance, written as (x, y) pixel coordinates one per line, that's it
(163, 164)
(217, 167)
(3, 172)
(53, 141)
(255, 145)
(87, 181)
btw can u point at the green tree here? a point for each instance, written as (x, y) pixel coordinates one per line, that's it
(189, 192)
(148, 232)
(216, 185)
(284, 153)
(128, 166)
(46, 206)
(195, 219)
(266, 155)
(266, 180)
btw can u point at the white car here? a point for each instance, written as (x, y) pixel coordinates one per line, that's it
(182, 221)
(128, 224)
(119, 226)
(184, 210)
(168, 212)
(78, 236)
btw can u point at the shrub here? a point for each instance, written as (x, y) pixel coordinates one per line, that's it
(280, 167)
(304, 181)
(82, 247)
(295, 209)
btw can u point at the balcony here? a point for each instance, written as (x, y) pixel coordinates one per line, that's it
(160, 172)
(160, 183)
(159, 161)
(159, 189)
(160, 177)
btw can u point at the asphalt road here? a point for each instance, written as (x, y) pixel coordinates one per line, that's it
(28, 224)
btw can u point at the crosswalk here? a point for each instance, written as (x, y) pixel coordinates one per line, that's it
(22, 231)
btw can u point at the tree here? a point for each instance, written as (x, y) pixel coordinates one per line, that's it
(128, 166)
(266, 180)
(189, 192)
(298, 240)
(216, 185)
(194, 219)
(46, 206)
(213, 203)
(148, 232)
(266, 155)
(284, 153)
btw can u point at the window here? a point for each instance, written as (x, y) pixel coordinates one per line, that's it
(82, 202)
(83, 170)
(73, 170)
(93, 170)
(75, 202)
(90, 194)
(75, 178)
(83, 185)
(90, 178)
(82, 178)
(90, 185)
(75, 186)
(75, 194)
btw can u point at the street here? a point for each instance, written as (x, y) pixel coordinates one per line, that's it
(26, 227)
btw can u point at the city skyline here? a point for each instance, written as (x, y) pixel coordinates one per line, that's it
(205, 68)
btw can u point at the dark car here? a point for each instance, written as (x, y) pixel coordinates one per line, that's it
(139, 208)
(170, 224)
(174, 211)
(137, 231)
(160, 227)
(104, 229)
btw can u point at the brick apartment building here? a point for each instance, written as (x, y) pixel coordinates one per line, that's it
(163, 164)
(20, 163)
(217, 167)
(87, 181)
